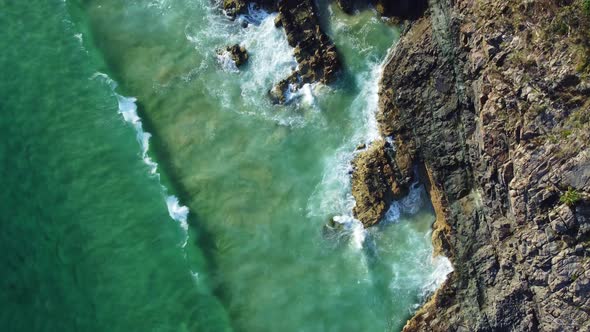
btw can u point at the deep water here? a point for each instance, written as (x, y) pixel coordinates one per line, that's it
(150, 185)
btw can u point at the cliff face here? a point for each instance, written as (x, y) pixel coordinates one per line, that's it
(490, 100)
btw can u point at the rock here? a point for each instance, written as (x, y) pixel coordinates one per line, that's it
(278, 22)
(238, 54)
(314, 51)
(495, 119)
(278, 93)
(375, 183)
(235, 7)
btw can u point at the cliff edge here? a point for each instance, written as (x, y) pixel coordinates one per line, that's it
(490, 100)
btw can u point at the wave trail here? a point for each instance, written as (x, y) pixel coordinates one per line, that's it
(128, 110)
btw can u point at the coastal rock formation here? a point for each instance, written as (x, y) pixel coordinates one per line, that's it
(314, 51)
(376, 182)
(238, 54)
(490, 101)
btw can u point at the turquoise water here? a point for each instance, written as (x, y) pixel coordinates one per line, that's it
(150, 185)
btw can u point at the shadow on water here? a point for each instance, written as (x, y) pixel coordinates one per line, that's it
(199, 235)
(200, 238)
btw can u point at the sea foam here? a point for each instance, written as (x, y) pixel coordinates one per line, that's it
(270, 60)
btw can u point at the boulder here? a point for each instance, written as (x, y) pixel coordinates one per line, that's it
(238, 54)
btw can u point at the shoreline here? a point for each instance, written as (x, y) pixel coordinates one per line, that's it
(454, 100)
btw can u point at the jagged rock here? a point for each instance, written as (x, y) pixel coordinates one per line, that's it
(477, 95)
(235, 7)
(238, 54)
(314, 51)
(375, 182)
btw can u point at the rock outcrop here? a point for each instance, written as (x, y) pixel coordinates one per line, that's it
(490, 101)
(376, 182)
(238, 54)
(314, 51)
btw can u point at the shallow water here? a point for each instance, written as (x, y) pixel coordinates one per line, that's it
(102, 175)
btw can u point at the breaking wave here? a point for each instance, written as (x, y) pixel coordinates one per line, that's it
(128, 110)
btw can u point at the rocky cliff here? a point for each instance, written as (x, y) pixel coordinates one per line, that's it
(489, 100)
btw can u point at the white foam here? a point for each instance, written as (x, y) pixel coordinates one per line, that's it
(367, 103)
(354, 228)
(177, 212)
(393, 214)
(442, 267)
(270, 60)
(128, 110)
(255, 15)
(333, 195)
(304, 96)
(227, 63)
(409, 205)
